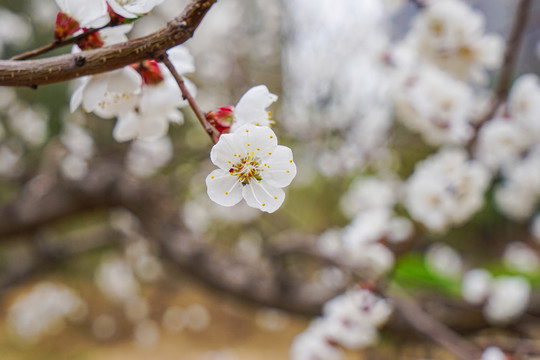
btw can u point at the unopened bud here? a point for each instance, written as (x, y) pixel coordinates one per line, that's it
(222, 118)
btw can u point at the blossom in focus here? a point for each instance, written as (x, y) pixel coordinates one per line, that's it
(131, 9)
(251, 166)
(251, 109)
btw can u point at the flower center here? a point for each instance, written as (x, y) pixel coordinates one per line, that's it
(246, 169)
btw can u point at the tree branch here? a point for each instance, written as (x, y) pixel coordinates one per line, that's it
(513, 45)
(66, 67)
(164, 58)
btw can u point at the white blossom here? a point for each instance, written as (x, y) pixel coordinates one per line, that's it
(444, 260)
(476, 286)
(251, 108)
(450, 34)
(508, 299)
(146, 157)
(521, 257)
(44, 309)
(493, 353)
(446, 189)
(369, 193)
(115, 278)
(436, 105)
(251, 166)
(147, 117)
(88, 13)
(132, 8)
(501, 142)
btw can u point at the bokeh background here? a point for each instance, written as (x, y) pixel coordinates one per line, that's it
(120, 254)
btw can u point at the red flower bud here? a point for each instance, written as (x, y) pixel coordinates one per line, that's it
(222, 118)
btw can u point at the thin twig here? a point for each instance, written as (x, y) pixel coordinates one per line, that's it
(56, 44)
(436, 330)
(513, 45)
(164, 58)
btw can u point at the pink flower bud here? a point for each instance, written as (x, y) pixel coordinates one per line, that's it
(150, 72)
(64, 26)
(222, 118)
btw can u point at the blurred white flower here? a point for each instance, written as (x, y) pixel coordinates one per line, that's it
(508, 299)
(450, 34)
(501, 142)
(446, 189)
(436, 105)
(148, 115)
(251, 166)
(444, 260)
(44, 310)
(524, 103)
(493, 353)
(349, 320)
(115, 279)
(521, 257)
(146, 157)
(476, 286)
(518, 193)
(367, 193)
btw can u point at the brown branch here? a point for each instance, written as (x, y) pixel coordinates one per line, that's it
(66, 67)
(164, 58)
(513, 46)
(436, 330)
(56, 44)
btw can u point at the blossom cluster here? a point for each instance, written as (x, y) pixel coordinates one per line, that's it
(350, 320)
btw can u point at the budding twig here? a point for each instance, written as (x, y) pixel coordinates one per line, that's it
(164, 58)
(65, 67)
(513, 45)
(56, 44)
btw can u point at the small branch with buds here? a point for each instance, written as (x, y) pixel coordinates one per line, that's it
(513, 46)
(164, 58)
(57, 44)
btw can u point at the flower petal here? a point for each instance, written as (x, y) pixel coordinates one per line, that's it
(181, 59)
(94, 92)
(126, 127)
(226, 150)
(263, 196)
(279, 169)
(252, 107)
(223, 188)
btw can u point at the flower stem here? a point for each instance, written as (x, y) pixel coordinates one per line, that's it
(56, 44)
(164, 58)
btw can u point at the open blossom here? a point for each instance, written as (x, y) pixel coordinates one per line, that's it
(251, 166)
(132, 8)
(251, 109)
(86, 14)
(446, 189)
(450, 34)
